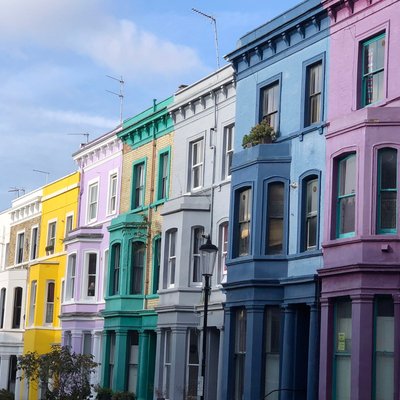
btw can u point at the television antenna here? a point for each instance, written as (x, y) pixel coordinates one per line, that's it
(213, 21)
(43, 172)
(120, 94)
(17, 190)
(81, 134)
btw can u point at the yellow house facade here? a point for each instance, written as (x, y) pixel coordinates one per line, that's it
(46, 274)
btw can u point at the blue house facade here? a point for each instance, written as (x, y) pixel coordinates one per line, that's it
(271, 313)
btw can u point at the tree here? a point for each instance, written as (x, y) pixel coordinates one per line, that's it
(62, 375)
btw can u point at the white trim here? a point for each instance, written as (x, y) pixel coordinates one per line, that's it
(67, 215)
(50, 221)
(22, 231)
(90, 184)
(111, 173)
(67, 280)
(85, 276)
(60, 191)
(37, 243)
(48, 281)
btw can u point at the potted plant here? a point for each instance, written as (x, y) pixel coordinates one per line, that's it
(260, 133)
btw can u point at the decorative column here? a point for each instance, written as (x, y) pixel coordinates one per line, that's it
(287, 353)
(97, 356)
(253, 376)
(313, 354)
(396, 301)
(362, 329)
(326, 345)
(4, 368)
(228, 370)
(105, 360)
(76, 341)
(121, 356)
(178, 362)
(220, 361)
(143, 372)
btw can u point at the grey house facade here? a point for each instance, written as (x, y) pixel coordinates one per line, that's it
(203, 115)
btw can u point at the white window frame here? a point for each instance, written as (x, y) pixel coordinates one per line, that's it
(90, 201)
(19, 233)
(85, 279)
(34, 256)
(51, 241)
(67, 216)
(229, 133)
(199, 165)
(223, 239)
(47, 303)
(112, 176)
(69, 293)
(171, 259)
(167, 367)
(190, 332)
(32, 302)
(194, 256)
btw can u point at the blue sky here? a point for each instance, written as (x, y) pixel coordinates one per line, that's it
(55, 55)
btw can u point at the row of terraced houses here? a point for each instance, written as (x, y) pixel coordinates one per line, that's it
(305, 299)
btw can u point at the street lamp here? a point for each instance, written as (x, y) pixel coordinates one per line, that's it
(208, 254)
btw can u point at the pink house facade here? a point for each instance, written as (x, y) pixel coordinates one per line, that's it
(360, 279)
(100, 164)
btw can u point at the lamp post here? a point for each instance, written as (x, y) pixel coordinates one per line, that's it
(208, 254)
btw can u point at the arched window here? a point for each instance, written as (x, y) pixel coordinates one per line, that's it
(137, 264)
(346, 197)
(115, 267)
(244, 210)
(16, 321)
(275, 218)
(2, 306)
(387, 191)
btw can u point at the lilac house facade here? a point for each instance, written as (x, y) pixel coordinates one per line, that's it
(100, 163)
(360, 290)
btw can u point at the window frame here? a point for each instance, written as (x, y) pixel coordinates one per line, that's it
(3, 301)
(32, 302)
(381, 33)
(338, 162)
(385, 353)
(156, 256)
(195, 255)
(68, 217)
(87, 275)
(379, 230)
(304, 180)
(305, 104)
(261, 87)
(166, 152)
(199, 165)
(47, 303)
(33, 251)
(134, 269)
(227, 154)
(285, 209)
(19, 251)
(169, 275)
(114, 284)
(112, 177)
(17, 308)
(138, 202)
(223, 245)
(338, 353)
(239, 351)
(237, 223)
(91, 184)
(70, 292)
(50, 240)
(192, 390)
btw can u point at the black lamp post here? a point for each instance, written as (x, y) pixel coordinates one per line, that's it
(208, 254)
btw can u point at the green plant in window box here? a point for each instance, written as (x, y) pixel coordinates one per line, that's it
(259, 134)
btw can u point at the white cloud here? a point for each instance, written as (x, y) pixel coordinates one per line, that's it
(84, 28)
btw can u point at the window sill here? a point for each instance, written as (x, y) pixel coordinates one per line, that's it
(158, 202)
(138, 209)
